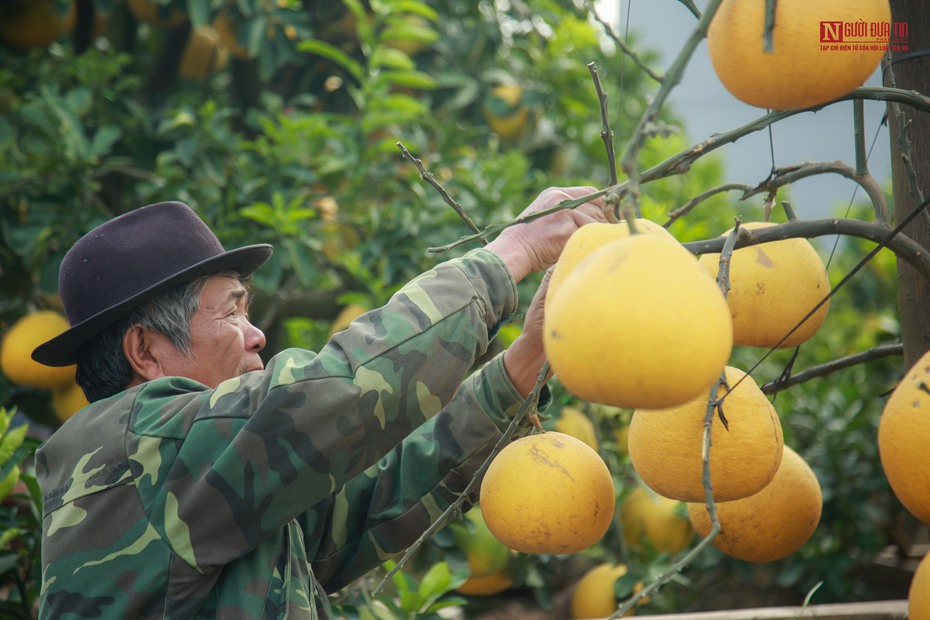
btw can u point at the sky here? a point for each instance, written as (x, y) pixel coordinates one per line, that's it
(707, 108)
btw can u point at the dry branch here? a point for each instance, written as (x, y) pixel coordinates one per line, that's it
(903, 247)
(822, 370)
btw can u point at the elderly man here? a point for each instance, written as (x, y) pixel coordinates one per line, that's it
(201, 484)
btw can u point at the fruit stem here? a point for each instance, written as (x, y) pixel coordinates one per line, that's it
(768, 44)
(723, 266)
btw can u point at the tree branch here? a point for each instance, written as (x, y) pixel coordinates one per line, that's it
(691, 204)
(427, 176)
(903, 247)
(822, 370)
(789, 174)
(625, 48)
(607, 135)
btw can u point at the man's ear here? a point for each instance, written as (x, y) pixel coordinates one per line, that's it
(139, 350)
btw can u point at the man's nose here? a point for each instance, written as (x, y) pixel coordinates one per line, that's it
(254, 338)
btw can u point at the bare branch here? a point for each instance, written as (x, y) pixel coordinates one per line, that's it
(625, 48)
(522, 219)
(672, 78)
(427, 176)
(822, 370)
(903, 247)
(681, 162)
(691, 204)
(607, 135)
(789, 174)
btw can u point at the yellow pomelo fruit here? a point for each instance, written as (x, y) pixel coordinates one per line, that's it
(773, 286)
(771, 524)
(485, 554)
(590, 237)
(638, 323)
(156, 14)
(228, 32)
(918, 598)
(797, 73)
(345, 317)
(904, 438)
(504, 110)
(28, 24)
(547, 493)
(68, 400)
(16, 351)
(573, 422)
(203, 55)
(593, 596)
(650, 520)
(666, 444)
(486, 586)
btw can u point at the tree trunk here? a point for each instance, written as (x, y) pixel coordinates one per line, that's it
(909, 132)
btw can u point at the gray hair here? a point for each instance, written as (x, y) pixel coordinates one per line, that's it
(102, 367)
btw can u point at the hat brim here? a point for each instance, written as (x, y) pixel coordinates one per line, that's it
(62, 349)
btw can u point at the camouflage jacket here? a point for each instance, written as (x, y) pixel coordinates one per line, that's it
(254, 499)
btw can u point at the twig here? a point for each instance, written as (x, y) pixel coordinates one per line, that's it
(531, 401)
(903, 246)
(522, 219)
(691, 7)
(822, 370)
(768, 36)
(607, 135)
(691, 204)
(427, 176)
(672, 78)
(789, 174)
(625, 48)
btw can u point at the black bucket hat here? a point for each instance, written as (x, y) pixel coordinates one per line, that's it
(131, 258)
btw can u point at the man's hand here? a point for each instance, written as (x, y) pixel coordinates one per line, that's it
(536, 245)
(524, 358)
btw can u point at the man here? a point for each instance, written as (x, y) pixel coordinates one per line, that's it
(201, 484)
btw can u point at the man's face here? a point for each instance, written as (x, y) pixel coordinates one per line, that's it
(224, 343)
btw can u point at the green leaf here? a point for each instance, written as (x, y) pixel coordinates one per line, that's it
(452, 601)
(401, 103)
(623, 587)
(410, 79)
(104, 139)
(436, 581)
(386, 56)
(331, 52)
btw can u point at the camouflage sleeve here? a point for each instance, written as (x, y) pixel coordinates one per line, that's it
(383, 511)
(262, 448)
